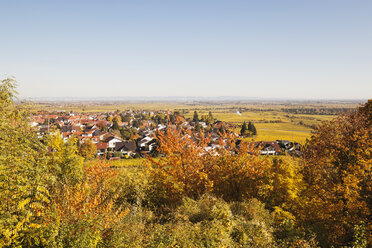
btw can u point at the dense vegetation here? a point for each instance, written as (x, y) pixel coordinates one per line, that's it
(53, 194)
(318, 111)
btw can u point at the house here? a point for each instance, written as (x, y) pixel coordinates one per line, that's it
(34, 124)
(292, 148)
(101, 135)
(161, 126)
(269, 147)
(126, 147)
(94, 140)
(142, 142)
(112, 140)
(101, 148)
(147, 144)
(88, 134)
(66, 135)
(203, 124)
(70, 128)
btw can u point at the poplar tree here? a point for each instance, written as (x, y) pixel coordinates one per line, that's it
(196, 117)
(252, 128)
(243, 130)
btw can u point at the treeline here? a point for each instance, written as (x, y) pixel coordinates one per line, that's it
(189, 197)
(318, 111)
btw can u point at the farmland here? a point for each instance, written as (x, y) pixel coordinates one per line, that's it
(77, 179)
(273, 120)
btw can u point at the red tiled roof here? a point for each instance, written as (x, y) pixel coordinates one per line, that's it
(102, 146)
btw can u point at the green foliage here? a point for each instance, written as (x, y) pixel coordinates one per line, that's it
(248, 130)
(252, 129)
(208, 119)
(244, 129)
(212, 222)
(195, 117)
(360, 237)
(128, 133)
(115, 125)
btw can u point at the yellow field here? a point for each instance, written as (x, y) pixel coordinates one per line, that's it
(272, 125)
(121, 163)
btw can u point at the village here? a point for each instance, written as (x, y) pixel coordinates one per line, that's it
(132, 134)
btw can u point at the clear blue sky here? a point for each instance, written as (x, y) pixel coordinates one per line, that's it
(282, 49)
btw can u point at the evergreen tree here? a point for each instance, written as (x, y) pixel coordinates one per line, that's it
(115, 125)
(250, 126)
(243, 130)
(211, 118)
(254, 130)
(210, 115)
(196, 117)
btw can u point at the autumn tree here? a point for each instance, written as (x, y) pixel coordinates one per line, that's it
(88, 149)
(190, 167)
(87, 213)
(109, 118)
(24, 196)
(337, 173)
(236, 170)
(181, 171)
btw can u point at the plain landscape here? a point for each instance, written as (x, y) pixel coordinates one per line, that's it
(184, 174)
(188, 124)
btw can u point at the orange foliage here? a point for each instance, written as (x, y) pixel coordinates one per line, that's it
(191, 167)
(337, 172)
(93, 198)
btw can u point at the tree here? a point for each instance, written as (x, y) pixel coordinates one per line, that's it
(24, 195)
(243, 130)
(115, 125)
(117, 118)
(195, 117)
(125, 133)
(337, 172)
(181, 171)
(64, 161)
(252, 128)
(88, 150)
(136, 123)
(109, 118)
(189, 168)
(86, 213)
(210, 116)
(126, 117)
